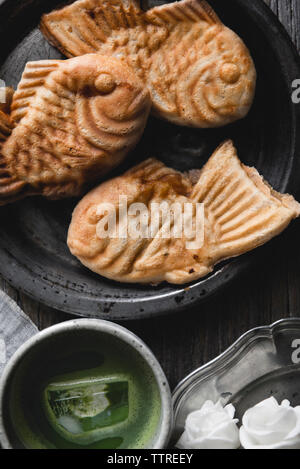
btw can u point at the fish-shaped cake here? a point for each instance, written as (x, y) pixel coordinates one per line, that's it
(198, 71)
(241, 212)
(71, 122)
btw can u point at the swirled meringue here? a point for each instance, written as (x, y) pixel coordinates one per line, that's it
(211, 427)
(269, 425)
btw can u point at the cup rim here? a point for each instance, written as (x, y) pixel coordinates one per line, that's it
(96, 325)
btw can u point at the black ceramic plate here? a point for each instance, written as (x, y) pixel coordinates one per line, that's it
(33, 253)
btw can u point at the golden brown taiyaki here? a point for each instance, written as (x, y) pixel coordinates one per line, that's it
(73, 121)
(199, 72)
(241, 212)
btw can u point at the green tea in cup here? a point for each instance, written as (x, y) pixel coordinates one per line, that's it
(83, 389)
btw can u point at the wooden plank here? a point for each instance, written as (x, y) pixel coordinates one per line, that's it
(288, 11)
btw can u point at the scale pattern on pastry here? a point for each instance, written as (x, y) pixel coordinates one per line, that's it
(241, 212)
(71, 122)
(198, 71)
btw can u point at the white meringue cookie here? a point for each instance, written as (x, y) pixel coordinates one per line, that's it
(211, 427)
(269, 425)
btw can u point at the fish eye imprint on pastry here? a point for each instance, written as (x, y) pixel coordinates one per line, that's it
(198, 71)
(70, 122)
(241, 212)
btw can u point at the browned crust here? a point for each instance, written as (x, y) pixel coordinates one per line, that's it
(242, 213)
(62, 171)
(195, 5)
(286, 199)
(51, 38)
(209, 10)
(162, 35)
(6, 126)
(13, 193)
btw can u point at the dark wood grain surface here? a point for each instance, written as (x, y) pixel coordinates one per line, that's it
(266, 293)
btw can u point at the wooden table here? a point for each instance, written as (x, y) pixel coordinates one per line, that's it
(270, 291)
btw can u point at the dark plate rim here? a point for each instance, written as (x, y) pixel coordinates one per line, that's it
(187, 296)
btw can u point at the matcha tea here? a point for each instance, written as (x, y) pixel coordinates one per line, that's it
(101, 395)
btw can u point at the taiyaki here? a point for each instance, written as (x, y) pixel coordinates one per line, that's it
(199, 72)
(71, 122)
(241, 212)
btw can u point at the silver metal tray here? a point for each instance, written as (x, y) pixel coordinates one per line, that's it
(264, 362)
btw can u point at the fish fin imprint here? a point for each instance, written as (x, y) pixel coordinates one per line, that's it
(241, 209)
(85, 25)
(6, 126)
(184, 11)
(10, 187)
(33, 78)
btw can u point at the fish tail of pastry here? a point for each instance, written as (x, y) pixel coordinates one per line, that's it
(184, 11)
(84, 26)
(242, 211)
